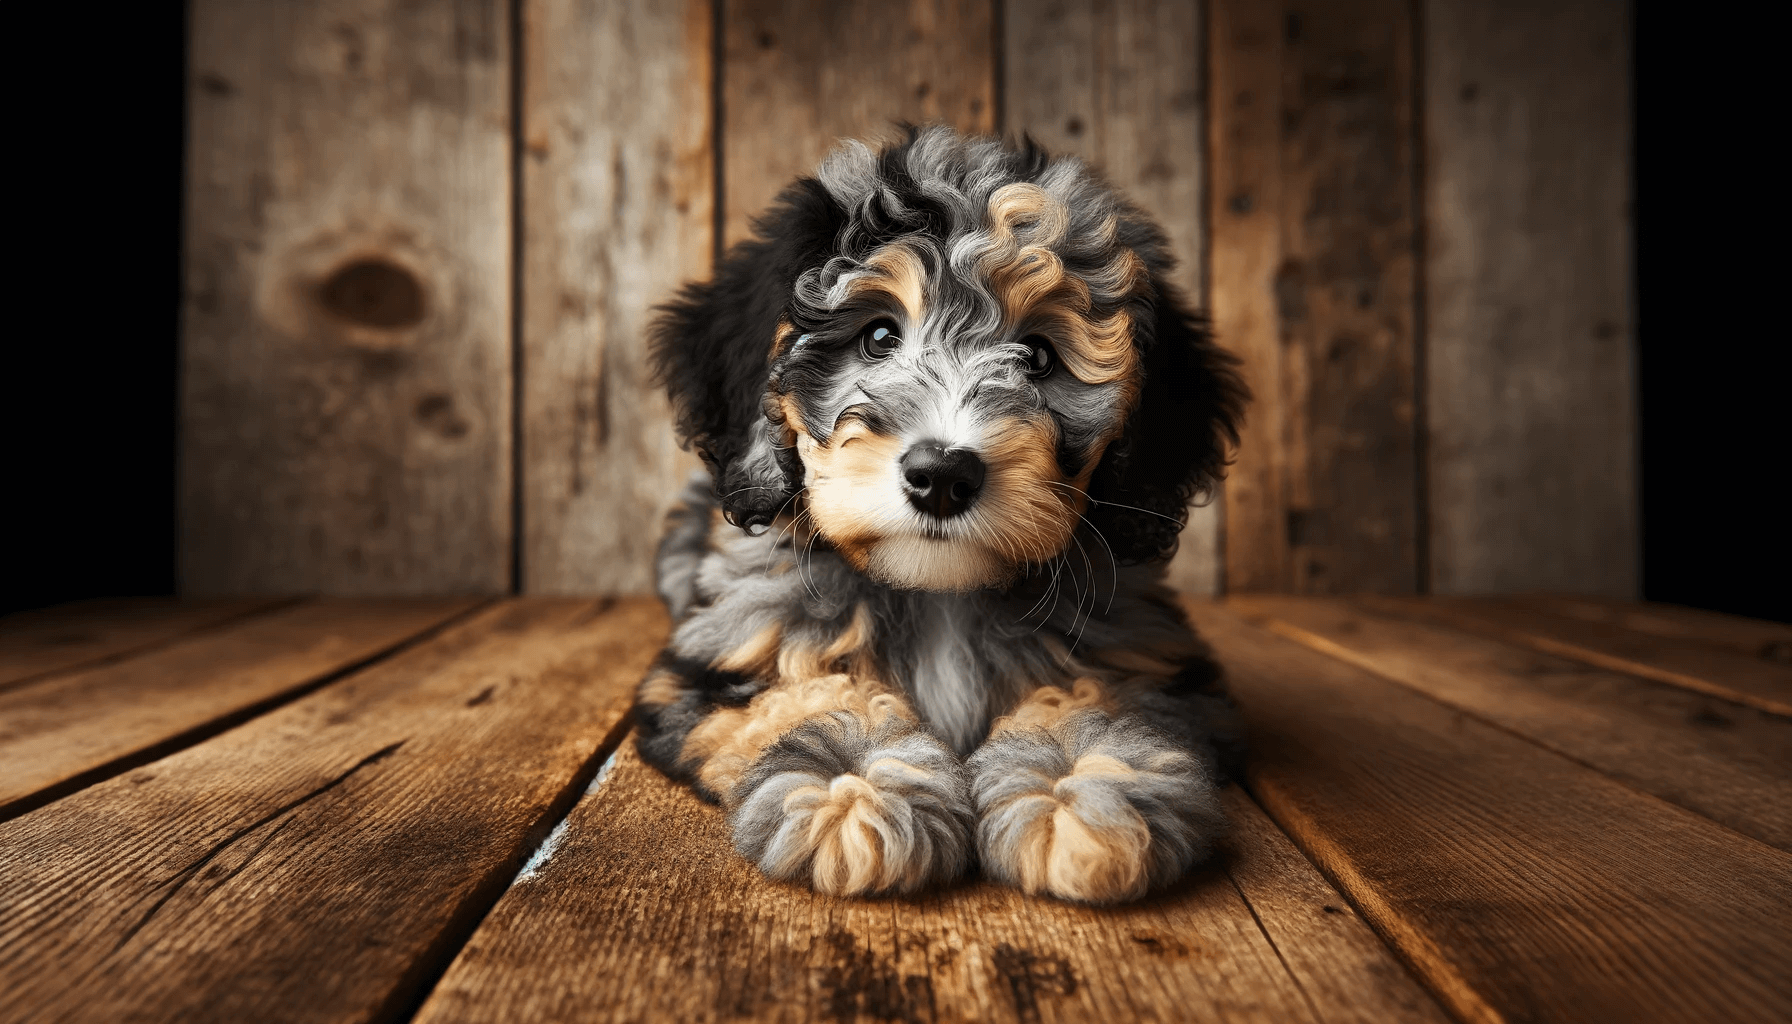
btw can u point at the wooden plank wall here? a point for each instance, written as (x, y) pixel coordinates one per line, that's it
(1409, 217)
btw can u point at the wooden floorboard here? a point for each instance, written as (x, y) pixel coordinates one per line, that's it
(1520, 884)
(69, 636)
(321, 862)
(1731, 764)
(1753, 637)
(644, 912)
(1698, 666)
(73, 728)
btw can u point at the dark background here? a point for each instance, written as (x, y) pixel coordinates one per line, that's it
(91, 381)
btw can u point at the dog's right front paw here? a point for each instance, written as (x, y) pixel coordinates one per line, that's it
(855, 809)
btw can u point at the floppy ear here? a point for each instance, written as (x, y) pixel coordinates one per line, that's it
(712, 346)
(1176, 442)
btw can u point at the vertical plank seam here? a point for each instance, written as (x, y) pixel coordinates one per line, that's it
(518, 464)
(998, 64)
(1421, 395)
(718, 134)
(1204, 245)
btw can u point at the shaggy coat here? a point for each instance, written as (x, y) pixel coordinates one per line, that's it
(953, 415)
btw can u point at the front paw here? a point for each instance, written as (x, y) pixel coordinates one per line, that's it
(854, 808)
(1095, 809)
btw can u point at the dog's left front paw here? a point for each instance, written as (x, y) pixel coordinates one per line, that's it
(854, 808)
(1094, 809)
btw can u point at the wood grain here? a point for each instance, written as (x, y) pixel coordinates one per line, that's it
(1519, 884)
(345, 373)
(84, 633)
(1119, 83)
(644, 912)
(1530, 378)
(1732, 765)
(797, 77)
(1769, 640)
(70, 730)
(1313, 214)
(1763, 683)
(320, 862)
(618, 200)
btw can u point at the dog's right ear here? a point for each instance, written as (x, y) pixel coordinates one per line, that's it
(712, 347)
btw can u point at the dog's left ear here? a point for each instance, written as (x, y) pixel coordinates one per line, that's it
(1176, 443)
(712, 348)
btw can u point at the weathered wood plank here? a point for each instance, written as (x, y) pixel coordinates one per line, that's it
(644, 912)
(345, 374)
(1519, 884)
(1769, 640)
(1712, 669)
(1530, 378)
(1733, 765)
(618, 200)
(798, 77)
(1313, 214)
(70, 636)
(68, 731)
(320, 862)
(1120, 84)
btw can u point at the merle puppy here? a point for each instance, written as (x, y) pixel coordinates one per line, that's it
(954, 415)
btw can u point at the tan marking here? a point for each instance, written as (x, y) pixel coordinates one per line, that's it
(897, 271)
(1096, 864)
(726, 743)
(756, 656)
(781, 336)
(659, 689)
(1047, 707)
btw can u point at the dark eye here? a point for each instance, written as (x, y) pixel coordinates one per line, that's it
(880, 339)
(1041, 357)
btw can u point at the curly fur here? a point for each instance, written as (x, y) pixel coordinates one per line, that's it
(843, 647)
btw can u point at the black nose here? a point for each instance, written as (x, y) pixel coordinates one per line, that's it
(941, 481)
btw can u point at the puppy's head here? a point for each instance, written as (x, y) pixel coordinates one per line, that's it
(951, 354)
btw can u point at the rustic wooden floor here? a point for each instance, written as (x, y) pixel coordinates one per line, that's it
(1541, 809)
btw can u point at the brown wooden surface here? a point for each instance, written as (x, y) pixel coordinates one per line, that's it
(1487, 819)
(1314, 286)
(618, 211)
(70, 636)
(1769, 640)
(315, 863)
(1519, 884)
(1530, 378)
(1730, 764)
(74, 728)
(345, 363)
(644, 912)
(1121, 85)
(1764, 683)
(798, 77)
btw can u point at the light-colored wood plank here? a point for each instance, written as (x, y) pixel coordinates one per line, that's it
(618, 201)
(1733, 765)
(1120, 85)
(1244, 203)
(644, 911)
(1530, 384)
(66, 731)
(1769, 640)
(798, 77)
(1520, 885)
(318, 863)
(70, 636)
(345, 373)
(1761, 683)
(1313, 215)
